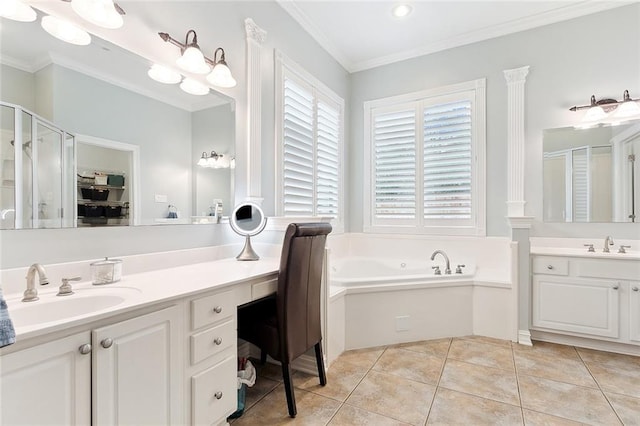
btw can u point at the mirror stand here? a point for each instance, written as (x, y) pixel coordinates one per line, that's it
(247, 252)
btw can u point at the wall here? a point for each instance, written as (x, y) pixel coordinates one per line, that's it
(17, 87)
(568, 61)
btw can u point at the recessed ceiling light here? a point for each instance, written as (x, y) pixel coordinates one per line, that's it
(401, 10)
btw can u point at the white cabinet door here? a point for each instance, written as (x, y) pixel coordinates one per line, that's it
(634, 311)
(48, 384)
(137, 367)
(576, 305)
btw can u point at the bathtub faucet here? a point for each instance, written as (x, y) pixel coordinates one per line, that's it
(447, 269)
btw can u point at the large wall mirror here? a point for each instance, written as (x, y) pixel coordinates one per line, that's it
(592, 174)
(96, 107)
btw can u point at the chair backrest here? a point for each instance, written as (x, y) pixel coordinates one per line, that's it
(299, 281)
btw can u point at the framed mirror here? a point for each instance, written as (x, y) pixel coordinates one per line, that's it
(592, 174)
(102, 91)
(248, 219)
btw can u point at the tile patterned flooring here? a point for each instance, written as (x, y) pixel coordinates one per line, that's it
(460, 381)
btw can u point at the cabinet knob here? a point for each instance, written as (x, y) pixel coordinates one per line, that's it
(615, 287)
(85, 349)
(218, 395)
(106, 343)
(634, 288)
(549, 267)
(217, 341)
(217, 309)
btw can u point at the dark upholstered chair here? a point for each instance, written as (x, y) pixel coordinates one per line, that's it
(287, 324)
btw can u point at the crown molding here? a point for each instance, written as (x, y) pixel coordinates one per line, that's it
(564, 13)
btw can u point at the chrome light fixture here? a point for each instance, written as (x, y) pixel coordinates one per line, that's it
(103, 13)
(17, 10)
(598, 110)
(193, 60)
(65, 31)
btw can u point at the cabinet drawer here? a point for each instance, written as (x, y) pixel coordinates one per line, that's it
(212, 309)
(214, 393)
(212, 341)
(550, 265)
(260, 290)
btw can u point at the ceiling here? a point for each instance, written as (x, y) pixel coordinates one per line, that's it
(364, 34)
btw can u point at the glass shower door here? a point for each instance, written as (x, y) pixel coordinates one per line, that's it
(47, 193)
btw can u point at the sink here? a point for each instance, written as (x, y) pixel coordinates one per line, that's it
(52, 308)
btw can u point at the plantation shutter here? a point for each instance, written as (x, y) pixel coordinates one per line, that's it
(327, 175)
(298, 150)
(580, 184)
(447, 161)
(394, 140)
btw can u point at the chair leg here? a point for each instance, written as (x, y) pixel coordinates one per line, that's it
(320, 361)
(263, 357)
(288, 388)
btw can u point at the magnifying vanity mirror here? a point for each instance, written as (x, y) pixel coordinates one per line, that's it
(99, 96)
(248, 219)
(592, 174)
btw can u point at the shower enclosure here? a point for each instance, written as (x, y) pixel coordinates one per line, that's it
(36, 171)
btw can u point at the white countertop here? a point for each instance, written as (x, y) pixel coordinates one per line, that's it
(582, 252)
(143, 289)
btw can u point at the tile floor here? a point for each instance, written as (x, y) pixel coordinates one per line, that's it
(464, 381)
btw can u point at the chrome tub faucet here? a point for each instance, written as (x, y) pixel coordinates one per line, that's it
(31, 293)
(447, 269)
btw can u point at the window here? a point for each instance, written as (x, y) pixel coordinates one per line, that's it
(309, 138)
(425, 161)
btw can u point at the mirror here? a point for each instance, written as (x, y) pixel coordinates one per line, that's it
(102, 92)
(247, 220)
(591, 174)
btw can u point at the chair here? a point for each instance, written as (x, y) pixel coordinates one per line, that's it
(287, 325)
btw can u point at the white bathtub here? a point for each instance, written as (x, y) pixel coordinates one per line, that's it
(361, 272)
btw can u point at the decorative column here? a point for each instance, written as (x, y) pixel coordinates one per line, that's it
(519, 223)
(255, 37)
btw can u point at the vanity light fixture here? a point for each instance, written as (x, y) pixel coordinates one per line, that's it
(213, 161)
(193, 60)
(194, 87)
(17, 10)
(65, 31)
(103, 13)
(165, 75)
(600, 109)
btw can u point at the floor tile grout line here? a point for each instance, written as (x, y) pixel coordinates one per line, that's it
(435, 392)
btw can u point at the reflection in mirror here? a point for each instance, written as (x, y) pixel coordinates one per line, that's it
(591, 175)
(247, 220)
(104, 92)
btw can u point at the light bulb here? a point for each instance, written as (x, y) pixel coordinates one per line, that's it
(221, 76)
(192, 60)
(194, 87)
(65, 31)
(99, 12)
(16, 10)
(163, 74)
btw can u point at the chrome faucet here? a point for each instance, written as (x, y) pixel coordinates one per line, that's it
(607, 242)
(31, 293)
(447, 269)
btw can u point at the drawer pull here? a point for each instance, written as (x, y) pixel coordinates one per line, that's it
(218, 395)
(106, 343)
(634, 288)
(85, 349)
(615, 287)
(549, 267)
(217, 341)
(217, 309)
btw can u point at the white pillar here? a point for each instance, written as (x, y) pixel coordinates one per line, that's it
(255, 38)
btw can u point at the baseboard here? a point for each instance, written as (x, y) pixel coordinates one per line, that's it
(524, 338)
(583, 342)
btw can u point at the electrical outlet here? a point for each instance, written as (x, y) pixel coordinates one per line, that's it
(161, 198)
(402, 323)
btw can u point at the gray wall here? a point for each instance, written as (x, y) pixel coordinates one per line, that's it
(17, 87)
(568, 61)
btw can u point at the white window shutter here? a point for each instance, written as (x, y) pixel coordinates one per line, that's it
(328, 161)
(447, 161)
(394, 141)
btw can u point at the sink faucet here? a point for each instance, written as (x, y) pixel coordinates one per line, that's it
(31, 293)
(447, 269)
(607, 242)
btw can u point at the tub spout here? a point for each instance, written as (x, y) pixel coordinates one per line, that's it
(447, 269)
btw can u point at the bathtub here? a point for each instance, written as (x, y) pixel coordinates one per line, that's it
(378, 273)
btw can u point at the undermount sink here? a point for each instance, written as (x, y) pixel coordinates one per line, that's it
(52, 308)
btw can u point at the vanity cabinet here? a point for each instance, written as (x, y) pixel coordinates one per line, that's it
(591, 298)
(137, 370)
(48, 384)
